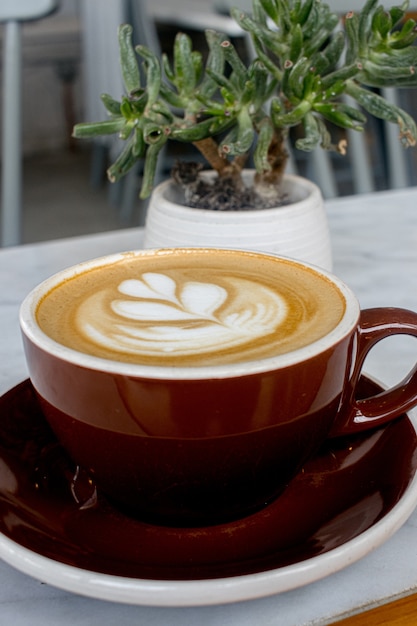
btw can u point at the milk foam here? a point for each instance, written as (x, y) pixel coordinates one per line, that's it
(190, 308)
(152, 315)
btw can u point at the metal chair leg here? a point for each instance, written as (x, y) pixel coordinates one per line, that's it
(11, 137)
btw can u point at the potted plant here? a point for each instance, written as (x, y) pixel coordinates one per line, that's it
(306, 62)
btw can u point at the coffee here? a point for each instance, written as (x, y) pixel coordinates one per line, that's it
(191, 307)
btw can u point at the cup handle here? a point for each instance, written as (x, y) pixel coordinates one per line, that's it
(358, 415)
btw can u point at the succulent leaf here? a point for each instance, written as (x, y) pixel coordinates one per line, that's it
(128, 61)
(87, 130)
(312, 134)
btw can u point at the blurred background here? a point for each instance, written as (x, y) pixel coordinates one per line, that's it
(69, 58)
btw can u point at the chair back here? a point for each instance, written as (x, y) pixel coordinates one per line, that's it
(25, 10)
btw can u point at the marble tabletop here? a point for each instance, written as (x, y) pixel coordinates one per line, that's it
(374, 241)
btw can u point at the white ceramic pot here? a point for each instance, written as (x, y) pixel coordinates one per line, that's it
(298, 230)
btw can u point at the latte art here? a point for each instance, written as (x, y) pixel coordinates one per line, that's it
(156, 317)
(191, 307)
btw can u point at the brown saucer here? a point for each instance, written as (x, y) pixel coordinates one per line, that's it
(344, 490)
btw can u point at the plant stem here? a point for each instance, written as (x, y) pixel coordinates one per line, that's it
(209, 149)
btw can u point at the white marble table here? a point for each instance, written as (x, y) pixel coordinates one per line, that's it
(375, 252)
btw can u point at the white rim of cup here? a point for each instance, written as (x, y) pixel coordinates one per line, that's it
(33, 332)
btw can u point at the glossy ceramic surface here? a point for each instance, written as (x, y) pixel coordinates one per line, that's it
(346, 501)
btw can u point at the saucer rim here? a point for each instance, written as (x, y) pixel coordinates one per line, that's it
(222, 590)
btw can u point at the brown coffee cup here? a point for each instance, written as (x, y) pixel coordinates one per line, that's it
(192, 384)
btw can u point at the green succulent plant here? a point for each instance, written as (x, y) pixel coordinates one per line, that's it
(306, 61)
